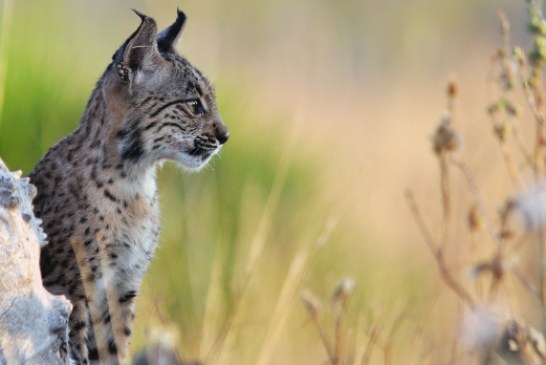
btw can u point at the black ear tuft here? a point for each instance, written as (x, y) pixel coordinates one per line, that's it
(146, 29)
(140, 15)
(167, 37)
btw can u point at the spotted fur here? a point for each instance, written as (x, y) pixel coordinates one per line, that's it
(97, 193)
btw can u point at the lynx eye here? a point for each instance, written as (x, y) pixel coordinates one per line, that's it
(196, 106)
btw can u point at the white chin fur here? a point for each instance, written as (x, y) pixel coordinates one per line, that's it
(193, 163)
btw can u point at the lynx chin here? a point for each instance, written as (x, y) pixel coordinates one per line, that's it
(97, 193)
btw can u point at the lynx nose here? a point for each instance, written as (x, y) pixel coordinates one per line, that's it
(221, 132)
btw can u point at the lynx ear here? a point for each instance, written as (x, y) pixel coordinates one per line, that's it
(167, 37)
(141, 48)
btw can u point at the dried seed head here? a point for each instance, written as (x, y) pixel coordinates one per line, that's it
(506, 234)
(480, 329)
(510, 207)
(343, 290)
(499, 54)
(511, 109)
(537, 341)
(480, 268)
(531, 206)
(445, 139)
(474, 218)
(452, 89)
(521, 341)
(505, 105)
(505, 24)
(538, 53)
(519, 55)
(312, 304)
(507, 74)
(495, 266)
(502, 131)
(493, 109)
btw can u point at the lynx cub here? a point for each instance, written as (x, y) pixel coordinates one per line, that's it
(97, 193)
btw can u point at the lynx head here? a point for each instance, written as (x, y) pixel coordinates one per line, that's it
(166, 106)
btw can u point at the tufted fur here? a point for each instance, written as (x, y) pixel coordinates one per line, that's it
(97, 194)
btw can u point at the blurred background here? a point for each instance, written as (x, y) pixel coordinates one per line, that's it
(331, 106)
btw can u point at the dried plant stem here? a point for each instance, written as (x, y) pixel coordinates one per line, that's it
(471, 183)
(542, 274)
(212, 306)
(510, 164)
(438, 254)
(339, 337)
(390, 338)
(505, 29)
(455, 345)
(324, 338)
(339, 301)
(280, 313)
(446, 203)
(534, 95)
(225, 337)
(536, 101)
(538, 156)
(417, 343)
(507, 77)
(521, 145)
(372, 339)
(540, 142)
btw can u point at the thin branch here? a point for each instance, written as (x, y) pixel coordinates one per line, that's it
(477, 197)
(438, 254)
(338, 338)
(446, 201)
(521, 278)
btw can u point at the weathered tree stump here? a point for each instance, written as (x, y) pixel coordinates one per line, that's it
(33, 322)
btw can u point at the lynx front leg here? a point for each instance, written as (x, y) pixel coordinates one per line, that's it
(78, 333)
(102, 347)
(111, 316)
(99, 347)
(121, 301)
